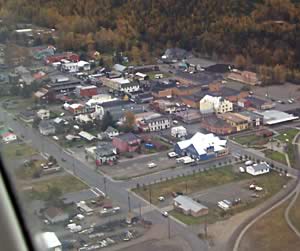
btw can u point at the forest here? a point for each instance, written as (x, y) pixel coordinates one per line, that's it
(261, 34)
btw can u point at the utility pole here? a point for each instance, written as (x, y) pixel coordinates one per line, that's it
(150, 195)
(104, 181)
(205, 228)
(140, 211)
(186, 187)
(129, 204)
(169, 229)
(73, 165)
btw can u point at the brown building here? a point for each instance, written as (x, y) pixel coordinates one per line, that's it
(217, 126)
(239, 122)
(245, 77)
(188, 206)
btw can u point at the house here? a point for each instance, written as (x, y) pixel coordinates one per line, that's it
(46, 128)
(41, 95)
(245, 77)
(217, 126)
(143, 98)
(202, 146)
(188, 116)
(128, 142)
(70, 56)
(98, 100)
(260, 104)
(25, 75)
(240, 123)
(84, 65)
(178, 132)
(105, 153)
(83, 118)
(121, 84)
(55, 215)
(43, 114)
(175, 54)
(258, 169)
(119, 68)
(27, 116)
(141, 76)
(210, 104)
(87, 136)
(111, 132)
(8, 137)
(50, 241)
(188, 206)
(155, 124)
(74, 108)
(86, 91)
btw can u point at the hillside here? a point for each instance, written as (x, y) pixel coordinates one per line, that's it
(248, 32)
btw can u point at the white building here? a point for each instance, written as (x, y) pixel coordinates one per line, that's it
(98, 100)
(43, 114)
(155, 124)
(258, 169)
(178, 131)
(210, 104)
(49, 241)
(9, 137)
(83, 65)
(72, 67)
(121, 84)
(202, 146)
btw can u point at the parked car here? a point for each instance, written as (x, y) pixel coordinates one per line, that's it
(151, 165)
(165, 214)
(242, 169)
(161, 198)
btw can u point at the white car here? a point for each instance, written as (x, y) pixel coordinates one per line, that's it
(172, 154)
(242, 169)
(258, 189)
(151, 165)
(161, 198)
(165, 214)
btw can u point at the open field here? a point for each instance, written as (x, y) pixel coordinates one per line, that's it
(272, 183)
(295, 214)
(276, 156)
(251, 140)
(15, 150)
(271, 233)
(30, 170)
(65, 184)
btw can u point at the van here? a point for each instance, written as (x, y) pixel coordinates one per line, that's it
(249, 163)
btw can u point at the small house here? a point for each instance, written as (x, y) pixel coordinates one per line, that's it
(105, 153)
(111, 132)
(46, 127)
(188, 206)
(128, 142)
(43, 114)
(9, 137)
(55, 215)
(258, 169)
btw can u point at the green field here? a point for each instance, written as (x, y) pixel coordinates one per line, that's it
(287, 135)
(15, 150)
(272, 184)
(295, 214)
(29, 171)
(276, 156)
(270, 233)
(191, 183)
(65, 184)
(251, 140)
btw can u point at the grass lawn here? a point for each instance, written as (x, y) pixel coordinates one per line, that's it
(66, 183)
(295, 214)
(287, 134)
(15, 150)
(153, 73)
(192, 183)
(251, 140)
(272, 183)
(28, 172)
(271, 233)
(274, 155)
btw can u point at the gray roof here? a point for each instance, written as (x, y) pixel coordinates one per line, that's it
(128, 137)
(119, 67)
(260, 167)
(187, 203)
(252, 115)
(110, 129)
(46, 124)
(105, 149)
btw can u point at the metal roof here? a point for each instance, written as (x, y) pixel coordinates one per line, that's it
(188, 204)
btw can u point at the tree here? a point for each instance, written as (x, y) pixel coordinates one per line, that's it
(36, 122)
(107, 121)
(52, 159)
(279, 74)
(129, 121)
(53, 196)
(240, 61)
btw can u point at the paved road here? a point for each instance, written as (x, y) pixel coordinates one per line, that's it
(116, 190)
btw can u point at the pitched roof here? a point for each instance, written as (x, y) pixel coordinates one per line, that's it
(188, 204)
(52, 212)
(128, 137)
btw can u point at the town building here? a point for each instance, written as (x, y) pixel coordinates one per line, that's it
(258, 169)
(119, 68)
(72, 67)
(87, 136)
(27, 116)
(128, 142)
(49, 241)
(178, 132)
(86, 91)
(202, 146)
(238, 122)
(8, 137)
(210, 104)
(245, 77)
(155, 124)
(121, 84)
(70, 56)
(46, 128)
(188, 206)
(55, 215)
(74, 108)
(258, 103)
(254, 119)
(188, 116)
(99, 99)
(43, 114)
(105, 153)
(217, 126)
(142, 98)
(273, 117)
(111, 132)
